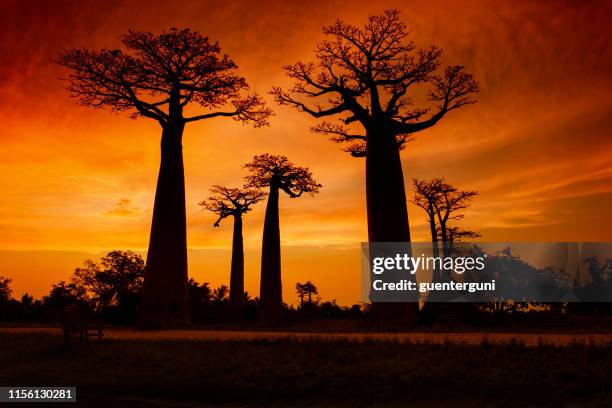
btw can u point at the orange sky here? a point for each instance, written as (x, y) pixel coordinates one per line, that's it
(78, 182)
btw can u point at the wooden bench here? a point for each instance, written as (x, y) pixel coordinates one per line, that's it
(84, 331)
(75, 322)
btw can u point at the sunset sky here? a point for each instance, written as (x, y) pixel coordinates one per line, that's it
(78, 182)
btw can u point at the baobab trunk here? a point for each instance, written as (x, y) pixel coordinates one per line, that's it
(387, 211)
(432, 223)
(237, 270)
(270, 291)
(164, 299)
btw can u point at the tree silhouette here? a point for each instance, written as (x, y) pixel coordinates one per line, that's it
(442, 202)
(5, 289)
(115, 280)
(63, 295)
(456, 234)
(365, 75)
(275, 173)
(234, 202)
(157, 77)
(219, 295)
(306, 289)
(426, 193)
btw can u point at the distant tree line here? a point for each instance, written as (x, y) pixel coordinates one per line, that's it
(110, 290)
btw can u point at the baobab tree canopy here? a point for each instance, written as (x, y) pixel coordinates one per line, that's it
(157, 75)
(226, 201)
(366, 74)
(277, 170)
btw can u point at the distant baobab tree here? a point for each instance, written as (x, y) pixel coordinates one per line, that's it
(276, 173)
(156, 77)
(306, 289)
(442, 202)
(233, 202)
(366, 75)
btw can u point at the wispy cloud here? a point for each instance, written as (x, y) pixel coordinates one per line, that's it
(124, 208)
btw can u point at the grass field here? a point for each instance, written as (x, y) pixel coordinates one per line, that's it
(310, 372)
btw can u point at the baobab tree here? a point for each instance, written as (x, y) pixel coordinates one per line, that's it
(443, 202)
(275, 173)
(306, 289)
(233, 202)
(365, 76)
(426, 194)
(158, 77)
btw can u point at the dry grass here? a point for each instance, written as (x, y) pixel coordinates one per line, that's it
(310, 371)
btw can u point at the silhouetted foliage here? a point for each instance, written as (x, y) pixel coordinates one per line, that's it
(115, 280)
(306, 290)
(63, 295)
(157, 76)
(442, 202)
(212, 306)
(597, 285)
(275, 173)
(5, 289)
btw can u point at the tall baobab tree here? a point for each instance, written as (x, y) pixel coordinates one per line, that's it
(157, 77)
(277, 174)
(365, 75)
(233, 202)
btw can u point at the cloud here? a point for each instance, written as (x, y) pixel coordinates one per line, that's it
(124, 208)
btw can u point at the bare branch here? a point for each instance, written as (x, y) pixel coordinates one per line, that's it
(251, 109)
(337, 133)
(284, 98)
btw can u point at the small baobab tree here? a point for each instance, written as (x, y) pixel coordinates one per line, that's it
(233, 202)
(275, 173)
(366, 76)
(158, 77)
(426, 195)
(306, 290)
(443, 202)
